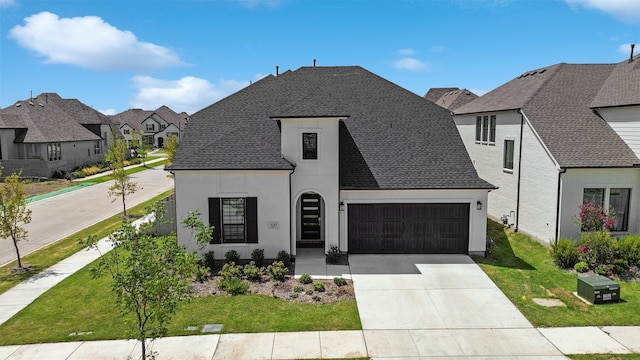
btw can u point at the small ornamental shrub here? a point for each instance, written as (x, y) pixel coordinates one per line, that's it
(257, 255)
(620, 267)
(277, 271)
(604, 270)
(298, 289)
(231, 256)
(253, 272)
(305, 279)
(564, 253)
(592, 218)
(202, 274)
(602, 247)
(284, 257)
(91, 170)
(339, 281)
(231, 270)
(309, 292)
(318, 286)
(630, 249)
(294, 295)
(333, 255)
(78, 174)
(126, 163)
(329, 293)
(208, 260)
(581, 267)
(316, 298)
(234, 286)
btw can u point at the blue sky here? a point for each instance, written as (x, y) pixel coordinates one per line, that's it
(120, 54)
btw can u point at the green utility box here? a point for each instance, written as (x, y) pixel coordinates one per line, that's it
(598, 289)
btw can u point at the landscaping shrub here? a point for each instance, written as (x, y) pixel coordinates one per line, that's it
(305, 279)
(564, 253)
(603, 248)
(78, 174)
(620, 267)
(316, 298)
(604, 270)
(629, 249)
(277, 271)
(294, 295)
(202, 274)
(253, 272)
(340, 281)
(231, 270)
(298, 289)
(91, 170)
(232, 256)
(318, 286)
(581, 267)
(234, 286)
(257, 255)
(209, 259)
(333, 255)
(284, 258)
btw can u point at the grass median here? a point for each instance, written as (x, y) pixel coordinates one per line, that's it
(133, 170)
(52, 254)
(522, 268)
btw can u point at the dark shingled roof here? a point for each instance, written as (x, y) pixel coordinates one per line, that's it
(47, 120)
(135, 117)
(78, 111)
(622, 87)
(455, 98)
(436, 93)
(556, 101)
(392, 139)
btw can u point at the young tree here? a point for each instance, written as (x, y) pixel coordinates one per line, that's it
(122, 185)
(171, 147)
(13, 212)
(143, 146)
(151, 275)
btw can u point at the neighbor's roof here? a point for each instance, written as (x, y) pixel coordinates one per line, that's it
(622, 87)
(78, 111)
(454, 99)
(556, 100)
(45, 122)
(135, 117)
(390, 139)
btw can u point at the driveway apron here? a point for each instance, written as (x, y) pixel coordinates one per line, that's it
(438, 305)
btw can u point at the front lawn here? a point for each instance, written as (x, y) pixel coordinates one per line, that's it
(81, 304)
(523, 269)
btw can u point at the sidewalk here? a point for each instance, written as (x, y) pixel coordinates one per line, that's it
(408, 344)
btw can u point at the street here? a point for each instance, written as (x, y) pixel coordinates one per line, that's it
(60, 216)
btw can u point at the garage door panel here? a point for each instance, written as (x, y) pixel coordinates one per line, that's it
(408, 228)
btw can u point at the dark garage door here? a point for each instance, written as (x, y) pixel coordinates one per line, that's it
(408, 228)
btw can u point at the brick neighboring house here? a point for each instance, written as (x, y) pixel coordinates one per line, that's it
(329, 156)
(554, 138)
(155, 126)
(47, 133)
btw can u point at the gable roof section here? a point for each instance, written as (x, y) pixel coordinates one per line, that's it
(622, 87)
(78, 111)
(456, 98)
(392, 139)
(556, 100)
(434, 94)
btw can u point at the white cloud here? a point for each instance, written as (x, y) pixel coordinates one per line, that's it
(405, 52)
(411, 64)
(628, 10)
(626, 49)
(7, 3)
(187, 94)
(90, 42)
(108, 111)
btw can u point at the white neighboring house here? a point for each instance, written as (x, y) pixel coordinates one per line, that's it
(154, 126)
(329, 156)
(557, 137)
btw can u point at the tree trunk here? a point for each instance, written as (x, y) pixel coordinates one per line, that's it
(15, 243)
(124, 206)
(144, 349)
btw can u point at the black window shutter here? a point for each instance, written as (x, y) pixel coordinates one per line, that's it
(252, 219)
(214, 220)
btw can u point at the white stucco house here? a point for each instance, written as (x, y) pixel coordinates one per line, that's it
(153, 126)
(554, 138)
(329, 156)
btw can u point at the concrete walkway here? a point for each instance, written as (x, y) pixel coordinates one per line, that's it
(421, 307)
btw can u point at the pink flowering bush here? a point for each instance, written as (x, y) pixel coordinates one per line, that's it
(594, 217)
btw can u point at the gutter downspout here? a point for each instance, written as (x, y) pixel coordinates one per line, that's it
(560, 172)
(517, 222)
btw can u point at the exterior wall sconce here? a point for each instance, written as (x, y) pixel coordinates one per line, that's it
(341, 206)
(479, 205)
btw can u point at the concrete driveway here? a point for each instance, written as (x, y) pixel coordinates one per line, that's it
(439, 305)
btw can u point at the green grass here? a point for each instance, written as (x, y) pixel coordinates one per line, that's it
(82, 304)
(522, 268)
(52, 254)
(134, 170)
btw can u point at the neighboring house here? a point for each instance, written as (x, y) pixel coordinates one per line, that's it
(557, 137)
(329, 156)
(47, 133)
(154, 127)
(450, 98)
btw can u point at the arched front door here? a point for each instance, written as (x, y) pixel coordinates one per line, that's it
(160, 143)
(310, 221)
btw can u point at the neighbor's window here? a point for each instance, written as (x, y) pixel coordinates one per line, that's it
(233, 211)
(150, 127)
(54, 151)
(507, 161)
(150, 139)
(492, 130)
(96, 147)
(310, 146)
(619, 203)
(594, 196)
(127, 131)
(485, 128)
(478, 128)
